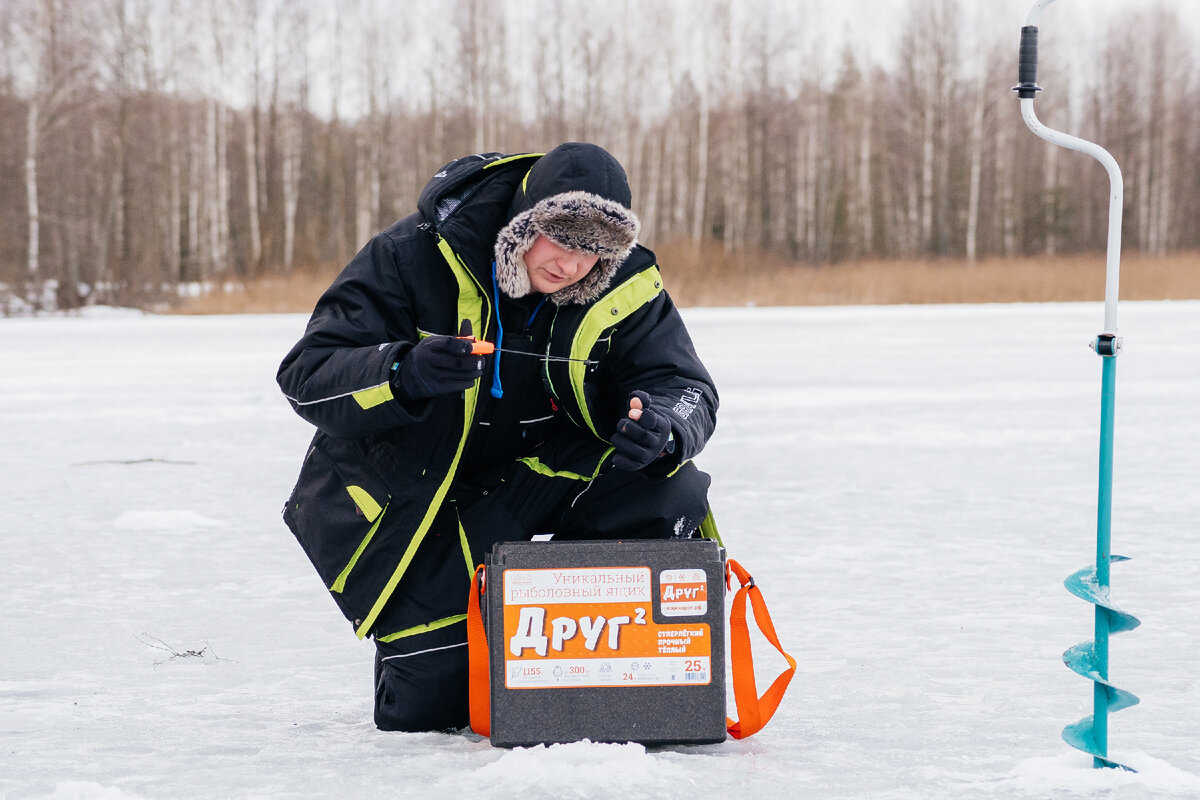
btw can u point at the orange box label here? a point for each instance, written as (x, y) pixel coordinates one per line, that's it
(577, 627)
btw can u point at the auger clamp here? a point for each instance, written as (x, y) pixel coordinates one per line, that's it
(1107, 345)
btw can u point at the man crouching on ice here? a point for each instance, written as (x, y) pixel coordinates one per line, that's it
(582, 423)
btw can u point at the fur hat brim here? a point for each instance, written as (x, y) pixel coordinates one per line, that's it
(578, 221)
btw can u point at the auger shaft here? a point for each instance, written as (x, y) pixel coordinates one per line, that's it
(1103, 554)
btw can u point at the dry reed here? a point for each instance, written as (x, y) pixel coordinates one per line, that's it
(273, 294)
(711, 277)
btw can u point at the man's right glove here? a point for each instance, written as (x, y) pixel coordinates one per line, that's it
(642, 436)
(437, 365)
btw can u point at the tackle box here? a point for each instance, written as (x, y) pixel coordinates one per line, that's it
(610, 641)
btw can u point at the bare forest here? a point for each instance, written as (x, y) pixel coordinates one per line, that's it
(154, 148)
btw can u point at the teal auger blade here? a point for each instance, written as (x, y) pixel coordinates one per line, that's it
(1083, 584)
(1085, 660)
(1082, 659)
(1080, 737)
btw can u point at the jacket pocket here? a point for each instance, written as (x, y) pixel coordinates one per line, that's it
(336, 508)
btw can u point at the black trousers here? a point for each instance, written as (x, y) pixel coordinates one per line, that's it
(423, 687)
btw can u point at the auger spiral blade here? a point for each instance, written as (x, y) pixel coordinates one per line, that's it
(1084, 585)
(1080, 737)
(1090, 661)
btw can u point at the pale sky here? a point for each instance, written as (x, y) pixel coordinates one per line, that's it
(875, 21)
(1072, 27)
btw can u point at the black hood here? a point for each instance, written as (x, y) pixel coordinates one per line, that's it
(578, 196)
(573, 167)
(467, 201)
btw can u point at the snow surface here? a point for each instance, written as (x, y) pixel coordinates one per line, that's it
(909, 485)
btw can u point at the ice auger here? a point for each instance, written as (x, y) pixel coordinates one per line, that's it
(1090, 659)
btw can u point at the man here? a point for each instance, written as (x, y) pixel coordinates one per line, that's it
(581, 424)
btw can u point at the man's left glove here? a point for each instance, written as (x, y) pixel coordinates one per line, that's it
(642, 436)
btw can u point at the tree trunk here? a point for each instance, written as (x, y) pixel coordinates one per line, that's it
(252, 186)
(1168, 89)
(1050, 203)
(676, 149)
(1146, 124)
(73, 207)
(174, 207)
(701, 188)
(290, 147)
(653, 183)
(212, 194)
(195, 262)
(223, 181)
(1005, 165)
(362, 198)
(32, 263)
(253, 126)
(865, 205)
(976, 169)
(1166, 179)
(927, 166)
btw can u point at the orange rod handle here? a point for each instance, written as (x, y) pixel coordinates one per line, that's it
(479, 347)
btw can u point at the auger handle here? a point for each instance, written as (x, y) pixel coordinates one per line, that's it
(1027, 90)
(1027, 87)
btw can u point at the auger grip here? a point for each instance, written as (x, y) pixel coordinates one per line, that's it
(1027, 87)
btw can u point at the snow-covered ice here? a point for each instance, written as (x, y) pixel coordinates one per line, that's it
(909, 485)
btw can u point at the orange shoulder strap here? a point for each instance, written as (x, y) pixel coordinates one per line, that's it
(479, 688)
(753, 711)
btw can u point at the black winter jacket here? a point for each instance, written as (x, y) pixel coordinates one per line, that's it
(381, 472)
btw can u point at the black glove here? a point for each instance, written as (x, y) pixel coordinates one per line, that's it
(438, 365)
(639, 442)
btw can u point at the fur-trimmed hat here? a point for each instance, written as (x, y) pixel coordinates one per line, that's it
(576, 195)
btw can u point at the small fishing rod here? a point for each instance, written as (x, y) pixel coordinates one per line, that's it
(480, 347)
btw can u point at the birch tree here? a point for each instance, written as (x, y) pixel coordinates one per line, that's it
(294, 80)
(55, 46)
(1171, 65)
(700, 65)
(549, 67)
(978, 113)
(370, 128)
(252, 55)
(736, 153)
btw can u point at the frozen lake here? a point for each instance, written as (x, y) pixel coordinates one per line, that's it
(909, 485)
